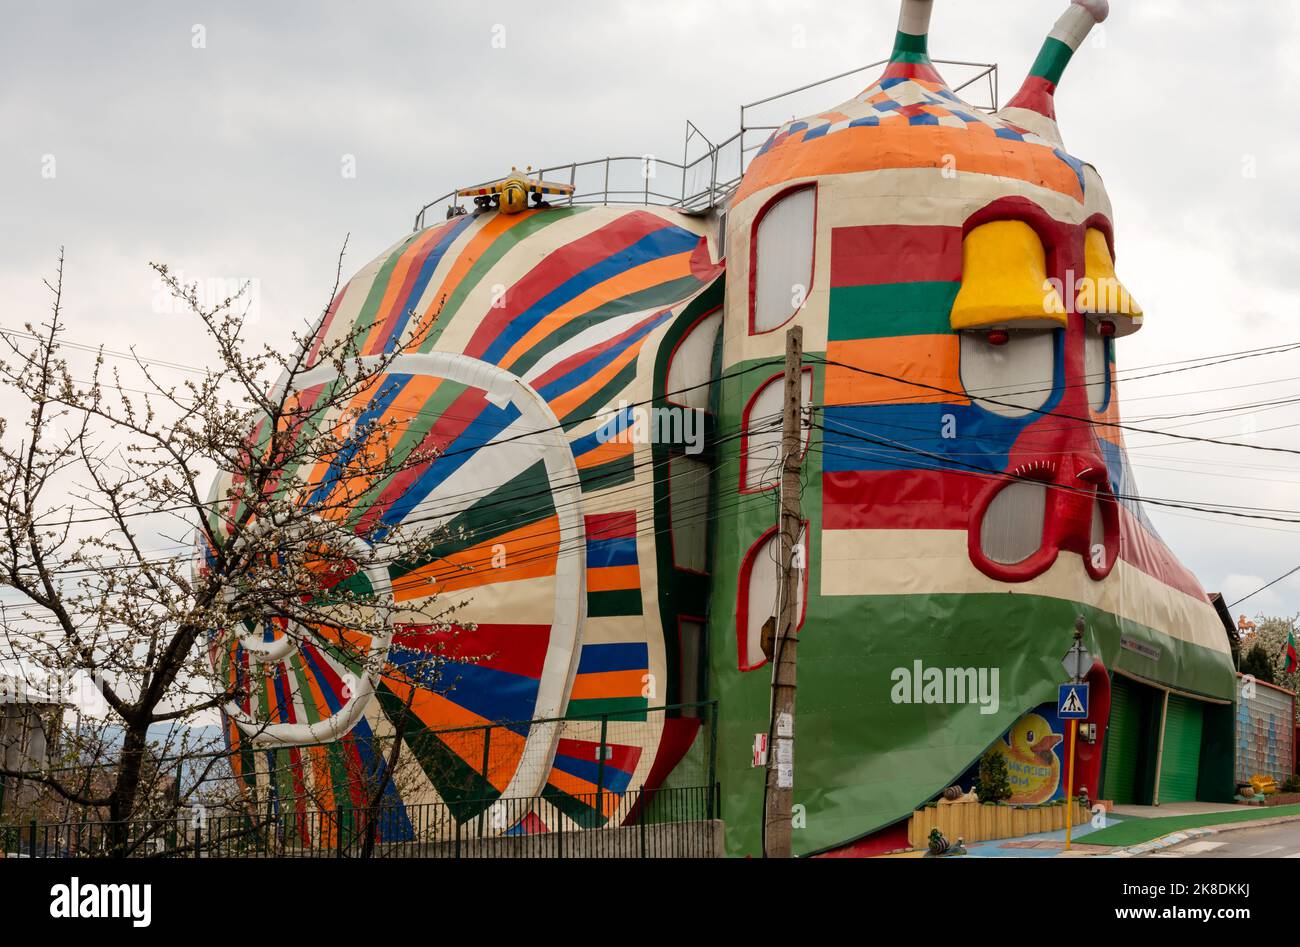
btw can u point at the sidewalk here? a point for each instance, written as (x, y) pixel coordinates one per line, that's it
(1136, 831)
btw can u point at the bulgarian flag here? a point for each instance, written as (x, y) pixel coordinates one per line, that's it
(1292, 660)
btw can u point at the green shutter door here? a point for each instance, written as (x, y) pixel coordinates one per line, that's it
(1123, 741)
(1180, 762)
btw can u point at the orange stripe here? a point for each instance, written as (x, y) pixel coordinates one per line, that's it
(322, 783)
(574, 399)
(925, 359)
(505, 747)
(352, 641)
(573, 785)
(608, 684)
(379, 449)
(317, 694)
(604, 453)
(470, 255)
(975, 149)
(613, 578)
(530, 551)
(626, 283)
(396, 280)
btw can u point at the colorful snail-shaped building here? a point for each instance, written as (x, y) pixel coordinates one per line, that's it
(966, 487)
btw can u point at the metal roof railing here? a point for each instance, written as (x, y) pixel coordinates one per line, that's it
(693, 185)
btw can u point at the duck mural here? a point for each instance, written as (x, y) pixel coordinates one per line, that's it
(967, 488)
(1033, 761)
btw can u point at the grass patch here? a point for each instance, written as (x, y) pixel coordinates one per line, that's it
(1137, 831)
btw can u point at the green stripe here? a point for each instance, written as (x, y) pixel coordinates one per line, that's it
(626, 375)
(519, 502)
(615, 602)
(461, 786)
(877, 312)
(663, 294)
(418, 428)
(1052, 60)
(369, 309)
(910, 48)
(620, 708)
(613, 474)
(499, 247)
(575, 809)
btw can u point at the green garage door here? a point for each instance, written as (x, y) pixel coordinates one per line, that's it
(1123, 742)
(1180, 762)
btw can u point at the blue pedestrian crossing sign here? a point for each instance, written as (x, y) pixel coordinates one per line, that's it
(1072, 701)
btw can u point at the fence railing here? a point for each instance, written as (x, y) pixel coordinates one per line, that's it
(258, 816)
(695, 184)
(678, 822)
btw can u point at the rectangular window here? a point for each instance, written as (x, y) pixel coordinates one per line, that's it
(688, 499)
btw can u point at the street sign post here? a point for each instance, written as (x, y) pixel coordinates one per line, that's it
(1072, 705)
(1072, 701)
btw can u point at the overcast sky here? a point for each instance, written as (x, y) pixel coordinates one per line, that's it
(214, 137)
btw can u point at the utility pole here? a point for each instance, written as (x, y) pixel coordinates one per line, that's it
(1076, 653)
(780, 759)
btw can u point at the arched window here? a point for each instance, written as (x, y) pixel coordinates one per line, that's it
(781, 261)
(757, 600)
(760, 443)
(691, 365)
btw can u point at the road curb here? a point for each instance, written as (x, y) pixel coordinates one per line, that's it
(1186, 835)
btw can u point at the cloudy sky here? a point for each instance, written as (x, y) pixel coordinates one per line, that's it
(215, 137)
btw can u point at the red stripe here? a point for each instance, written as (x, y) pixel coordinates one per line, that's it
(899, 499)
(578, 359)
(325, 325)
(874, 256)
(912, 70)
(1037, 95)
(932, 499)
(620, 757)
(611, 525)
(558, 268)
(458, 416)
(515, 649)
(399, 304)
(1148, 554)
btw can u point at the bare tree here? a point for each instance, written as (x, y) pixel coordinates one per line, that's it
(157, 535)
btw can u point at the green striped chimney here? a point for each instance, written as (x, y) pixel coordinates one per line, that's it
(911, 56)
(1034, 106)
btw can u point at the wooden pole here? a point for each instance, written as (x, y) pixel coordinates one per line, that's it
(780, 759)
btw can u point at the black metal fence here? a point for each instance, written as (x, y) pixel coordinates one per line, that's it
(674, 822)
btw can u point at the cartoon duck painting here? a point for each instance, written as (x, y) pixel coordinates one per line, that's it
(1033, 767)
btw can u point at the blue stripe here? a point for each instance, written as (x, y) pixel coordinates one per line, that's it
(282, 696)
(585, 372)
(394, 824)
(598, 658)
(616, 781)
(488, 692)
(422, 281)
(486, 426)
(611, 552)
(391, 387)
(331, 699)
(668, 241)
(603, 434)
(910, 436)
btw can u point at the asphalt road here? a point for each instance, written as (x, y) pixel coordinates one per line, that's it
(1269, 841)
